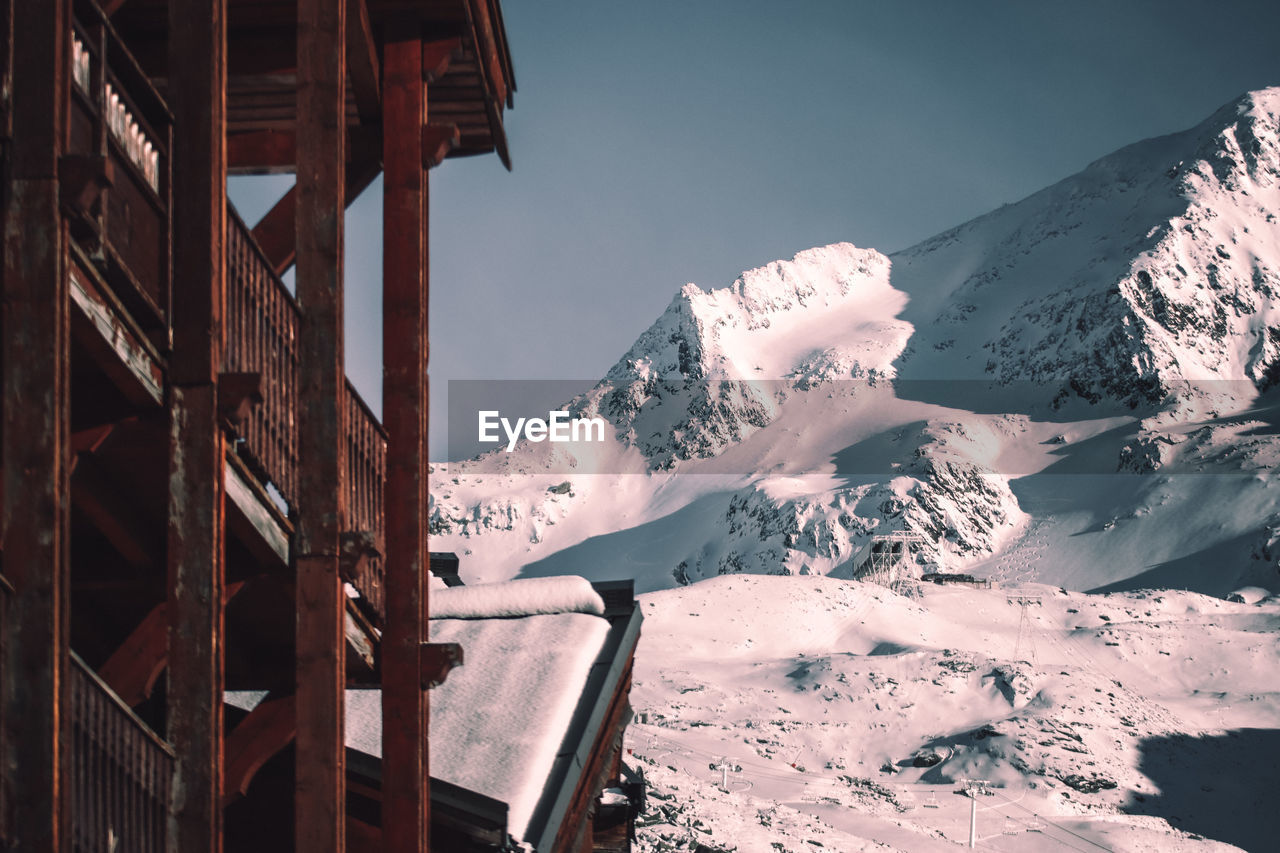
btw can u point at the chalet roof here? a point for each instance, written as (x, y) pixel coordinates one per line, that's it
(471, 76)
(497, 723)
(515, 724)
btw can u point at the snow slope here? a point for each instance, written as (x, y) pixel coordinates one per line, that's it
(1140, 721)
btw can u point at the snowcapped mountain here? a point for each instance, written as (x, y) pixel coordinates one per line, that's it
(1155, 265)
(1073, 399)
(1122, 320)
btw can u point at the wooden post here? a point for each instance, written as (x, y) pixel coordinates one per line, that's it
(197, 96)
(320, 825)
(36, 439)
(405, 794)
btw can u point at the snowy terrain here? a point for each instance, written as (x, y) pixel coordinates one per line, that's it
(1072, 398)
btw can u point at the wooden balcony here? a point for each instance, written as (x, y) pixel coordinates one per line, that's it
(121, 772)
(121, 220)
(262, 338)
(116, 174)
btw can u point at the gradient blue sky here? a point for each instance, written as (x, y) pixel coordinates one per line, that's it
(660, 142)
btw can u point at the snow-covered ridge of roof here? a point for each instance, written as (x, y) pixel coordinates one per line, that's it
(524, 597)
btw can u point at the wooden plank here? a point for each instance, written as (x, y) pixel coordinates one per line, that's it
(406, 797)
(487, 48)
(320, 770)
(196, 549)
(495, 84)
(259, 518)
(35, 357)
(118, 350)
(362, 63)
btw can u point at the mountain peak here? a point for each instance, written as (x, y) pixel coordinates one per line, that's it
(1154, 266)
(763, 324)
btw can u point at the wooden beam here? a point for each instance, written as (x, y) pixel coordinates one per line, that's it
(269, 728)
(487, 49)
(406, 796)
(134, 666)
(196, 89)
(238, 393)
(262, 152)
(276, 234)
(35, 359)
(437, 141)
(320, 769)
(436, 662)
(117, 520)
(82, 179)
(362, 63)
(89, 440)
(437, 56)
(491, 73)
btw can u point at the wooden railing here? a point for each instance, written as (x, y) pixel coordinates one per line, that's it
(262, 337)
(121, 771)
(119, 140)
(366, 474)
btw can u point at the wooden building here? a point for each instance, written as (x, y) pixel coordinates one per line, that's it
(191, 489)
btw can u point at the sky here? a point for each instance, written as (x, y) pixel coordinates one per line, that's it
(662, 142)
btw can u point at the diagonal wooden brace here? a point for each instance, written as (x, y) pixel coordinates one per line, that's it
(435, 661)
(436, 57)
(238, 393)
(269, 728)
(82, 178)
(437, 141)
(358, 548)
(133, 668)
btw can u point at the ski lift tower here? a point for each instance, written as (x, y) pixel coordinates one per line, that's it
(892, 558)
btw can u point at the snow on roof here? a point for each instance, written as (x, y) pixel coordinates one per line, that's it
(498, 721)
(525, 597)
